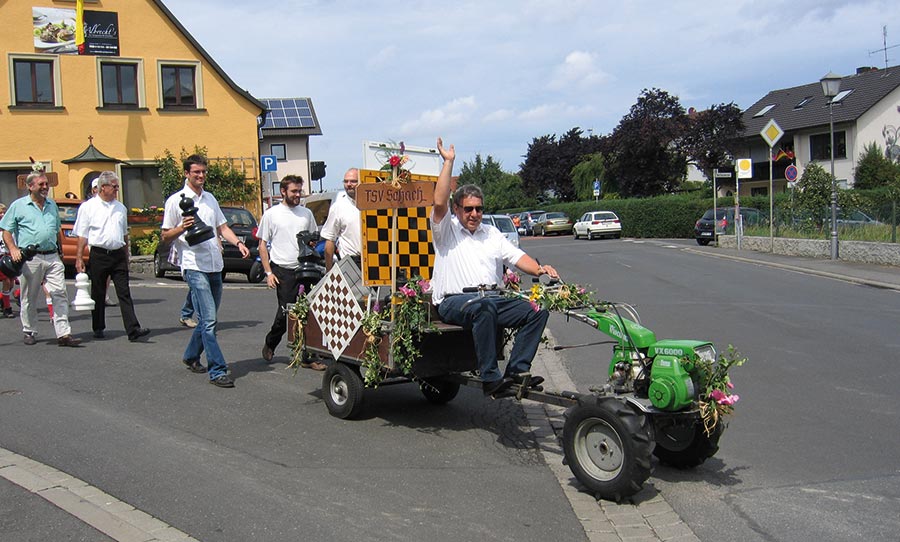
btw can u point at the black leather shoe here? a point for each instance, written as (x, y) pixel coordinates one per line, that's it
(496, 387)
(29, 339)
(222, 381)
(141, 332)
(267, 353)
(194, 366)
(533, 382)
(68, 340)
(99, 334)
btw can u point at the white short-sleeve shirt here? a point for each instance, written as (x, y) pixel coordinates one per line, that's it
(464, 259)
(343, 226)
(104, 224)
(279, 227)
(206, 256)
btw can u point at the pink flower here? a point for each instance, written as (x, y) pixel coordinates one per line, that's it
(301, 290)
(717, 395)
(535, 306)
(377, 307)
(394, 160)
(408, 292)
(729, 385)
(424, 285)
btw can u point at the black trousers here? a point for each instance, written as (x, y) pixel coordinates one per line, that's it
(111, 263)
(286, 292)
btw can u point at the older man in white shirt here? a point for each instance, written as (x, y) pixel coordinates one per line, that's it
(102, 223)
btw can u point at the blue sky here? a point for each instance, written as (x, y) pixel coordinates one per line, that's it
(490, 76)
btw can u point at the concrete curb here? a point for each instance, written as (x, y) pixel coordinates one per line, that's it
(112, 517)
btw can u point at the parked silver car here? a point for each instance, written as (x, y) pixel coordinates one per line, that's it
(505, 225)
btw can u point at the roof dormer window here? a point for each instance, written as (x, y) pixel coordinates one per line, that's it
(764, 110)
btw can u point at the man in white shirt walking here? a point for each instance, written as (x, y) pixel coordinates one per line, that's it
(102, 223)
(201, 266)
(342, 230)
(279, 252)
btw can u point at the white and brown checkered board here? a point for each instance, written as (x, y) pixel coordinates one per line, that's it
(415, 253)
(334, 305)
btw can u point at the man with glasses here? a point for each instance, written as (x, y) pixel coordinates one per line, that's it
(102, 223)
(34, 220)
(342, 230)
(201, 266)
(470, 254)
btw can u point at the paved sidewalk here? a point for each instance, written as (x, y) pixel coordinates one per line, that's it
(879, 276)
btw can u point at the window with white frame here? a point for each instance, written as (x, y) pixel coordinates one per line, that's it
(180, 85)
(121, 83)
(820, 146)
(280, 151)
(35, 81)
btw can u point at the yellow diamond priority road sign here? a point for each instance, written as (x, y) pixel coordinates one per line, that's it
(771, 132)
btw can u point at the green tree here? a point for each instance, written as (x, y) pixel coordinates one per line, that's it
(502, 190)
(584, 174)
(873, 170)
(812, 202)
(547, 170)
(711, 136)
(223, 180)
(644, 154)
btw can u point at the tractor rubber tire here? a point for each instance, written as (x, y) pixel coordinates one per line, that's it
(607, 445)
(342, 390)
(686, 447)
(256, 273)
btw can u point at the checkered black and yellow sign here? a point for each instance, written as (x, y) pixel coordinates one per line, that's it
(415, 252)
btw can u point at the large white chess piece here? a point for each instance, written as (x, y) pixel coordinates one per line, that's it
(83, 301)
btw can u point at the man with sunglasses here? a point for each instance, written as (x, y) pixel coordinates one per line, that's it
(102, 224)
(470, 254)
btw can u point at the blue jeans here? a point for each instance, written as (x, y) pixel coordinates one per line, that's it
(485, 317)
(206, 295)
(187, 310)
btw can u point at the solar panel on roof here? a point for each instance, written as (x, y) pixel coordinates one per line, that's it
(289, 113)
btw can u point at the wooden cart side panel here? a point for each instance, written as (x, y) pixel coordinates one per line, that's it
(449, 351)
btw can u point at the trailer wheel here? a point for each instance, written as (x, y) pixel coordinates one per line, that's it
(686, 446)
(439, 391)
(607, 446)
(342, 390)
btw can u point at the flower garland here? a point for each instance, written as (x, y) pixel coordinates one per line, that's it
(299, 311)
(395, 162)
(372, 327)
(411, 309)
(558, 297)
(716, 399)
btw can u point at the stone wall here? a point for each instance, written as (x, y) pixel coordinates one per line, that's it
(141, 265)
(850, 251)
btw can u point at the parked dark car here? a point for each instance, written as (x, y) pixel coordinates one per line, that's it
(244, 225)
(705, 231)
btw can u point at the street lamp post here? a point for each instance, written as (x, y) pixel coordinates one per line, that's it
(831, 85)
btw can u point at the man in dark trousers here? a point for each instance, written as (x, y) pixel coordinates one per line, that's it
(102, 223)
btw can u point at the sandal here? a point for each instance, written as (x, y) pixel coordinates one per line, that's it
(314, 365)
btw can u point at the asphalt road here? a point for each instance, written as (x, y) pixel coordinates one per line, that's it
(263, 461)
(810, 454)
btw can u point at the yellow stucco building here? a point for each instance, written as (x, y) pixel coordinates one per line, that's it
(140, 85)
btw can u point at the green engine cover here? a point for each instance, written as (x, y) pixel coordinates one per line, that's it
(671, 387)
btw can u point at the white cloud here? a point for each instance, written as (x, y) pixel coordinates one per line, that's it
(439, 119)
(578, 70)
(383, 58)
(499, 115)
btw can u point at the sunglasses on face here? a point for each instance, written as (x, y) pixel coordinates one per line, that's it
(475, 208)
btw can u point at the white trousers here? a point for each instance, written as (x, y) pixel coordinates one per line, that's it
(49, 270)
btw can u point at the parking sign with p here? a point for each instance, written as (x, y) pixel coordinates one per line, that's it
(268, 162)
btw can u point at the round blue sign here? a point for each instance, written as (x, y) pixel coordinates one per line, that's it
(790, 173)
